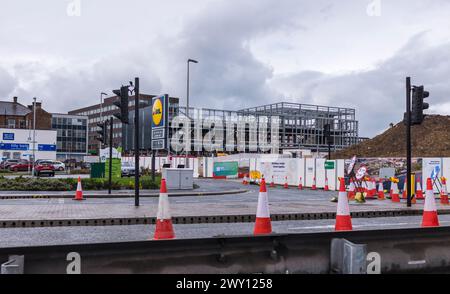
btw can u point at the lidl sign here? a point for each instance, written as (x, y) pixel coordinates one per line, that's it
(160, 122)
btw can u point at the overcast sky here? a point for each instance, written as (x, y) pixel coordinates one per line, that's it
(348, 53)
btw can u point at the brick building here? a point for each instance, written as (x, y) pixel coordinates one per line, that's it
(14, 115)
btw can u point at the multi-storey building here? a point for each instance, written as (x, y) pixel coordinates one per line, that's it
(72, 136)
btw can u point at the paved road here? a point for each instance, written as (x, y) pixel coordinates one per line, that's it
(281, 201)
(81, 235)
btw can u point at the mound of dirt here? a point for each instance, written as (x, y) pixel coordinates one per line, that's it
(430, 139)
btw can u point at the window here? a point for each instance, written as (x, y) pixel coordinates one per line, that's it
(11, 123)
(23, 124)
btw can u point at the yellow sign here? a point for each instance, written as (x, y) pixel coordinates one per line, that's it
(157, 112)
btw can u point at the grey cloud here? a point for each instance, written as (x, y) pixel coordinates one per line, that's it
(378, 94)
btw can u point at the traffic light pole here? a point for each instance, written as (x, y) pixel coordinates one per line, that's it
(408, 140)
(111, 124)
(136, 142)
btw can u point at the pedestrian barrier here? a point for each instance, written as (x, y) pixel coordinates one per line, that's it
(308, 253)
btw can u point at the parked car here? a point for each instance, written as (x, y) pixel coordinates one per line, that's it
(59, 166)
(7, 163)
(44, 168)
(23, 165)
(128, 169)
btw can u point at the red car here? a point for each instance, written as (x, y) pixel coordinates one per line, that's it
(21, 166)
(44, 168)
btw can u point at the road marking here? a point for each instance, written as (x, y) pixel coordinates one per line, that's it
(417, 262)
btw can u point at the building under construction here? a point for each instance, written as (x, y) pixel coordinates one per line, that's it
(300, 126)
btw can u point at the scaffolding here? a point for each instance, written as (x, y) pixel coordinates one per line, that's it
(301, 126)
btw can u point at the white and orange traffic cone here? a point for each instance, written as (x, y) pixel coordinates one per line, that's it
(286, 185)
(405, 190)
(351, 190)
(371, 189)
(263, 224)
(79, 193)
(343, 218)
(444, 192)
(272, 184)
(419, 192)
(164, 227)
(326, 188)
(314, 186)
(395, 196)
(430, 216)
(381, 191)
(300, 185)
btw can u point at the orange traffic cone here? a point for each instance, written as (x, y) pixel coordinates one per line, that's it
(430, 216)
(272, 184)
(314, 186)
(343, 218)
(79, 193)
(351, 192)
(245, 181)
(263, 224)
(300, 185)
(371, 188)
(444, 193)
(381, 191)
(395, 197)
(419, 192)
(327, 188)
(405, 191)
(286, 185)
(164, 227)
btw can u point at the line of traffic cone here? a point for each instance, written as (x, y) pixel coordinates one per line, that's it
(263, 224)
(343, 218)
(164, 227)
(79, 192)
(430, 216)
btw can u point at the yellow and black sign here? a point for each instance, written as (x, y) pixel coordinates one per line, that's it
(158, 112)
(159, 122)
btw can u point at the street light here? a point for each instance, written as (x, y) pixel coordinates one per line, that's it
(34, 135)
(187, 104)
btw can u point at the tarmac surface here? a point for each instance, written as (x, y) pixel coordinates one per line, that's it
(282, 201)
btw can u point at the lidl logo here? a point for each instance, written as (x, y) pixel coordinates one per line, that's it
(157, 112)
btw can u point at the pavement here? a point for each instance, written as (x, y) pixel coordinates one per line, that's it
(25, 237)
(308, 204)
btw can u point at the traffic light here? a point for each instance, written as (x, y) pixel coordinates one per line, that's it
(418, 106)
(102, 132)
(122, 103)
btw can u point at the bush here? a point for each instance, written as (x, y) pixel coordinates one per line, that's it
(39, 184)
(80, 172)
